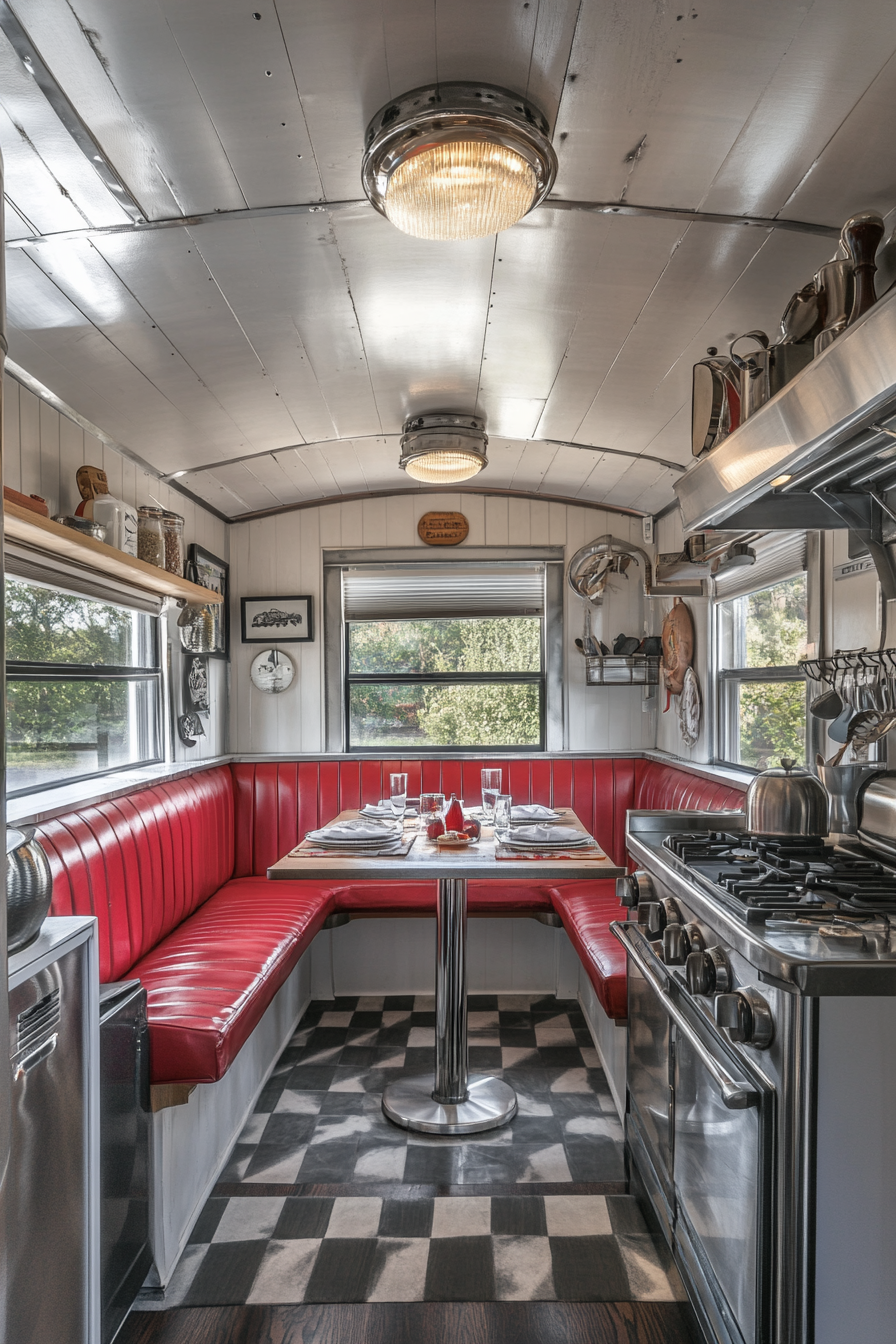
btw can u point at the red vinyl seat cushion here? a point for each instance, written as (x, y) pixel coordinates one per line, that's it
(209, 982)
(587, 909)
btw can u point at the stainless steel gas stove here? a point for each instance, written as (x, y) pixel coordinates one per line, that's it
(762, 1074)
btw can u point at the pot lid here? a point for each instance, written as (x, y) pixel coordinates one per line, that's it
(788, 768)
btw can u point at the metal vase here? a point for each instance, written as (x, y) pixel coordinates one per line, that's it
(29, 887)
(844, 784)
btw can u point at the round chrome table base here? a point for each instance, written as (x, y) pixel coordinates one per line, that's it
(490, 1103)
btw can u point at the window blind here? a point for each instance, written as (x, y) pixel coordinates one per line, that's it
(417, 591)
(779, 556)
(54, 572)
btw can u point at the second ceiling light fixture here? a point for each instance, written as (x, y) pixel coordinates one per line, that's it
(455, 161)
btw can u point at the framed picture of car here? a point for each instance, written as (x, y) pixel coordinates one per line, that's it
(277, 620)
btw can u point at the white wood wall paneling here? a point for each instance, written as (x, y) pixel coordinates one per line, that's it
(168, 275)
(60, 159)
(376, 956)
(143, 106)
(274, 555)
(43, 450)
(637, 77)
(242, 70)
(293, 266)
(810, 109)
(12, 454)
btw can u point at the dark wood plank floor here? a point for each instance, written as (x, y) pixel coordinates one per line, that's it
(419, 1323)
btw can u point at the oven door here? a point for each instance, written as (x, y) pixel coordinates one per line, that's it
(720, 1152)
(649, 1118)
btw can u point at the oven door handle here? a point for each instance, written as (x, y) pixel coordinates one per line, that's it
(736, 1096)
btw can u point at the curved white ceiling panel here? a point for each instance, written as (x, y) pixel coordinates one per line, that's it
(274, 359)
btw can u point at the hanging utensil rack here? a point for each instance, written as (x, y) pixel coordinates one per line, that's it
(616, 669)
(864, 679)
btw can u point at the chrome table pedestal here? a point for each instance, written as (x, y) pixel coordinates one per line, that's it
(450, 1101)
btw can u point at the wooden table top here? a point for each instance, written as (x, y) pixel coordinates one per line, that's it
(427, 863)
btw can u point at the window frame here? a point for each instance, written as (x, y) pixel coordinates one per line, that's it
(728, 679)
(337, 682)
(22, 670)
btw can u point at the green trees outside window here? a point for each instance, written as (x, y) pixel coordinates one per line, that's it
(446, 682)
(83, 686)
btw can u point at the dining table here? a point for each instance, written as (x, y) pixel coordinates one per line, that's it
(450, 1100)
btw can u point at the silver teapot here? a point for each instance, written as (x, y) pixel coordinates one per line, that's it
(787, 802)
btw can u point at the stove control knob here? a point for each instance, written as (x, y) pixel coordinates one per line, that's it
(708, 972)
(675, 945)
(695, 939)
(746, 1017)
(662, 913)
(634, 888)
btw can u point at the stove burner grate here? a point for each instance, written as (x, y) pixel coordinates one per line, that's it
(761, 875)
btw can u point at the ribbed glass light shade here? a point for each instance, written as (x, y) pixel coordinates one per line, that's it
(444, 468)
(460, 189)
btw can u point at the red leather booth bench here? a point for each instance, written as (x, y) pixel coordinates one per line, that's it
(176, 876)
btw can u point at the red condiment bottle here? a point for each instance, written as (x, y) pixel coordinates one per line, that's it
(454, 815)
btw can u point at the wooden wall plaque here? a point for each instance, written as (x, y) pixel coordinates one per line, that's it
(442, 529)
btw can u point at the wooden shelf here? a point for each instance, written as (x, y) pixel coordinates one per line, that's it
(44, 535)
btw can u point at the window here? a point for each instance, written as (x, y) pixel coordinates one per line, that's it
(760, 635)
(84, 687)
(449, 656)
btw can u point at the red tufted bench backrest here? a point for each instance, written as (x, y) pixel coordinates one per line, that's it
(142, 863)
(277, 802)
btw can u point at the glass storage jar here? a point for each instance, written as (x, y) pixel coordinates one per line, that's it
(173, 525)
(151, 535)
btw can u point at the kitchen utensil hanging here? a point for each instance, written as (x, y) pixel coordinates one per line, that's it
(864, 679)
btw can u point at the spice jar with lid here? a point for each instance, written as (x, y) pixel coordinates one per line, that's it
(151, 535)
(173, 525)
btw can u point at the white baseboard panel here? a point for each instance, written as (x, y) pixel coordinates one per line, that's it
(397, 956)
(610, 1039)
(190, 1144)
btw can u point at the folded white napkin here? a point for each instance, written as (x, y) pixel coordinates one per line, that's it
(355, 829)
(548, 835)
(532, 812)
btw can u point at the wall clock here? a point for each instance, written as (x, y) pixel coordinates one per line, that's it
(272, 671)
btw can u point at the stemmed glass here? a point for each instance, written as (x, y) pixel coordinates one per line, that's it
(398, 795)
(491, 787)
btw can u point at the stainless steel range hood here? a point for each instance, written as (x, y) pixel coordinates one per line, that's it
(826, 431)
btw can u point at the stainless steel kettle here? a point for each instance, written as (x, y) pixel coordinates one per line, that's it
(787, 802)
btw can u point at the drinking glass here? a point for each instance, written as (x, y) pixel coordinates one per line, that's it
(503, 804)
(398, 791)
(432, 808)
(491, 787)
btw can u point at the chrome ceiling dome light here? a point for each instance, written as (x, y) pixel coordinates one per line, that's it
(452, 161)
(443, 448)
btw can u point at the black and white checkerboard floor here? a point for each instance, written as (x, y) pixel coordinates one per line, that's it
(324, 1200)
